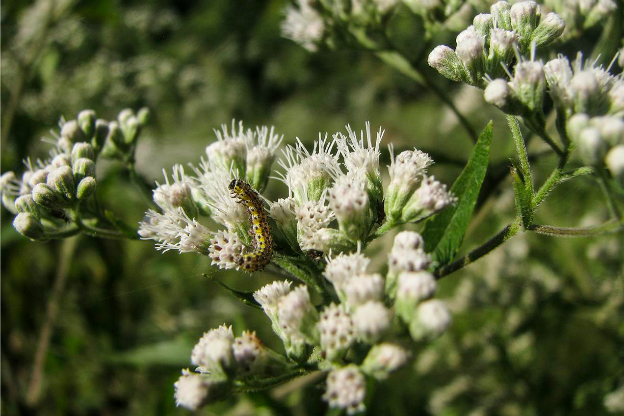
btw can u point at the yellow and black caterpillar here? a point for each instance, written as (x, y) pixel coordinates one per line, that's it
(260, 231)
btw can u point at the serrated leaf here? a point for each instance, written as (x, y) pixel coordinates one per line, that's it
(444, 233)
(245, 297)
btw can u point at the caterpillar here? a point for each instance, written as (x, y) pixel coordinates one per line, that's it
(260, 231)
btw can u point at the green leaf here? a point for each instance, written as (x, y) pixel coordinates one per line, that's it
(245, 297)
(173, 353)
(444, 233)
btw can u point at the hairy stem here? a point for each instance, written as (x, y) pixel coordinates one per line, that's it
(608, 227)
(33, 393)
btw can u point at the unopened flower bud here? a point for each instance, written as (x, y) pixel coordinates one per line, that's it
(47, 197)
(130, 128)
(336, 331)
(114, 145)
(601, 10)
(447, 63)
(612, 129)
(483, 23)
(229, 152)
(38, 176)
(615, 161)
(525, 17)
(371, 321)
(62, 180)
(143, 116)
(82, 168)
(86, 121)
(502, 48)
(576, 124)
(592, 147)
(60, 160)
(254, 359)
(100, 134)
(86, 187)
(283, 212)
(213, 353)
(413, 288)
(406, 172)
(193, 390)
(346, 389)
(616, 97)
(529, 84)
(586, 93)
(124, 115)
(349, 201)
(500, 94)
(549, 29)
(27, 204)
(500, 11)
(297, 316)
(558, 73)
(430, 198)
(404, 260)
(431, 319)
(471, 52)
(72, 132)
(82, 150)
(28, 225)
(364, 288)
(384, 359)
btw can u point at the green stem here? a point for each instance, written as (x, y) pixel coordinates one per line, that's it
(525, 167)
(608, 227)
(603, 181)
(67, 232)
(384, 228)
(102, 232)
(303, 271)
(398, 62)
(502, 236)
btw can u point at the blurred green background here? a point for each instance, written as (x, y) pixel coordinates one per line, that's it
(538, 324)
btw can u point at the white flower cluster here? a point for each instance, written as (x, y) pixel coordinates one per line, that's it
(494, 39)
(365, 314)
(238, 152)
(50, 192)
(346, 185)
(220, 358)
(581, 14)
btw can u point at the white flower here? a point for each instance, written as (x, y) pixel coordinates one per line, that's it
(174, 230)
(349, 201)
(306, 174)
(371, 321)
(360, 155)
(431, 320)
(346, 389)
(416, 285)
(336, 331)
(402, 260)
(269, 295)
(408, 240)
(225, 250)
(261, 147)
(383, 359)
(614, 401)
(615, 161)
(191, 390)
(430, 198)
(304, 26)
(313, 217)
(341, 268)
(406, 172)
(212, 184)
(297, 316)
(213, 353)
(229, 152)
(248, 352)
(283, 211)
(364, 288)
(175, 194)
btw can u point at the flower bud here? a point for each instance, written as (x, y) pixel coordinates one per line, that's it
(38, 176)
(82, 168)
(258, 169)
(384, 359)
(529, 84)
(431, 197)
(413, 288)
(130, 128)
(283, 212)
(549, 29)
(615, 161)
(406, 171)
(501, 13)
(253, 359)
(404, 260)
(213, 353)
(82, 150)
(27, 204)
(193, 390)
(47, 197)
(114, 145)
(297, 316)
(60, 160)
(616, 97)
(600, 11)
(471, 52)
(576, 124)
(502, 48)
(612, 129)
(586, 93)
(100, 134)
(124, 115)
(408, 240)
(62, 180)
(447, 63)
(86, 121)
(558, 73)
(86, 187)
(72, 132)
(525, 17)
(500, 94)
(28, 225)
(592, 147)
(346, 389)
(483, 23)
(371, 321)
(349, 201)
(143, 116)
(229, 153)
(364, 288)
(336, 331)
(430, 321)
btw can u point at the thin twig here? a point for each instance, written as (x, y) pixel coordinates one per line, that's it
(608, 227)
(66, 254)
